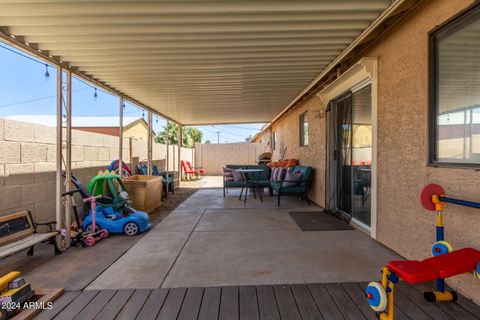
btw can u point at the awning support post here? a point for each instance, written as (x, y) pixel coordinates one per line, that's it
(120, 138)
(167, 154)
(150, 144)
(68, 158)
(179, 152)
(59, 147)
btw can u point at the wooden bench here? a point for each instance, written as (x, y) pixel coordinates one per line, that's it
(18, 232)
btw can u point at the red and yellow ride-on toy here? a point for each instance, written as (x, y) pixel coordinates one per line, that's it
(445, 262)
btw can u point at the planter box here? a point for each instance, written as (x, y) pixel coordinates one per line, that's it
(144, 191)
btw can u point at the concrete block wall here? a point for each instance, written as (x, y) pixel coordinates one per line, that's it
(213, 157)
(28, 163)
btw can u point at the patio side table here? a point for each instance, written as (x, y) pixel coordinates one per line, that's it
(251, 181)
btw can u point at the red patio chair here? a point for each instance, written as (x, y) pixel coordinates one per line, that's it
(187, 171)
(199, 170)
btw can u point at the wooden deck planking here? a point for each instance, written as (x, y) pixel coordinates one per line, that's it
(210, 304)
(63, 301)
(286, 303)
(95, 305)
(307, 307)
(299, 301)
(76, 305)
(172, 305)
(131, 309)
(267, 303)
(324, 301)
(349, 310)
(229, 304)
(153, 305)
(191, 304)
(115, 305)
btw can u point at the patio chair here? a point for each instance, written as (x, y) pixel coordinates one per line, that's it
(301, 189)
(167, 181)
(200, 170)
(187, 171)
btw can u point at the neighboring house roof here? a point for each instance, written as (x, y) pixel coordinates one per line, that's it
(100, 122)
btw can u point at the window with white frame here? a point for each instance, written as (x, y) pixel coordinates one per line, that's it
(303, 124)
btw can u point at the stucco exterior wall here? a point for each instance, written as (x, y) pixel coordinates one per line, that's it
(287, 131)
(402, 224)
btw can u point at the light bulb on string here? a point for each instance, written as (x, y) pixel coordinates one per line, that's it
(47, 74)
(95, 94)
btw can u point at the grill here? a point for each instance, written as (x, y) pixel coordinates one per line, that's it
(264, 158)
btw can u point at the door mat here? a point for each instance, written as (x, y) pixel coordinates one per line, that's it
(318, 221)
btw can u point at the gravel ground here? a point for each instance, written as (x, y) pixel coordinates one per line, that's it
(174, 200)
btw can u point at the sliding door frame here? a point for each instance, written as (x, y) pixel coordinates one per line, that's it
(363, 73)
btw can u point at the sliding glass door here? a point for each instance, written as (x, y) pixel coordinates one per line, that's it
(350, 155)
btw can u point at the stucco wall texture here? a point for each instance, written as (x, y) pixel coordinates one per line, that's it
(287, 129)
(402, 224)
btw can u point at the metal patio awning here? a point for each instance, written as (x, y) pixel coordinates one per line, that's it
(196, 62)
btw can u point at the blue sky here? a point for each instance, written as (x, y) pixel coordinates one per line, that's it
(26, 91)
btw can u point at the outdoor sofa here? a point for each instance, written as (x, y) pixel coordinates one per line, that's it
(263, 178)
(300, 189)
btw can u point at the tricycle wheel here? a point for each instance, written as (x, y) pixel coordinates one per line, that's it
(441, 247)
(376, 296)
(130, 229)
(89, 241)
(104, 233)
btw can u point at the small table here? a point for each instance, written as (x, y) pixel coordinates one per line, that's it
(251, 181)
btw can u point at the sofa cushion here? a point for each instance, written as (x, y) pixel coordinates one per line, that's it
(228, 174)
(306, 174)
(234, 184)
(292, 178)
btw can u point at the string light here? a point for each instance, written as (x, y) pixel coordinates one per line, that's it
(47, 74)
(95, 95)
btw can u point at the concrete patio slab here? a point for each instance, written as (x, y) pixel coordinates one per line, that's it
(72, 270)
(213, 199)
(276, 257)
(181, 220)
(145, 265)
(246, 219)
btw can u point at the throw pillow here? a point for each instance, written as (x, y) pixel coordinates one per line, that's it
(292, 179)
(282, 174)
(273, 174)
(228, 174)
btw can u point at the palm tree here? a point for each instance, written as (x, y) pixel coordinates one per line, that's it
(169, 134)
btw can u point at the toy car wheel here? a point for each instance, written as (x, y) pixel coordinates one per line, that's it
(376, 296)
(89, 229)
(131, 229)
(104, 233)
(441, 247)
(89, 241)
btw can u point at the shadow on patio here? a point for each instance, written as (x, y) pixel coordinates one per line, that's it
(218, 257)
